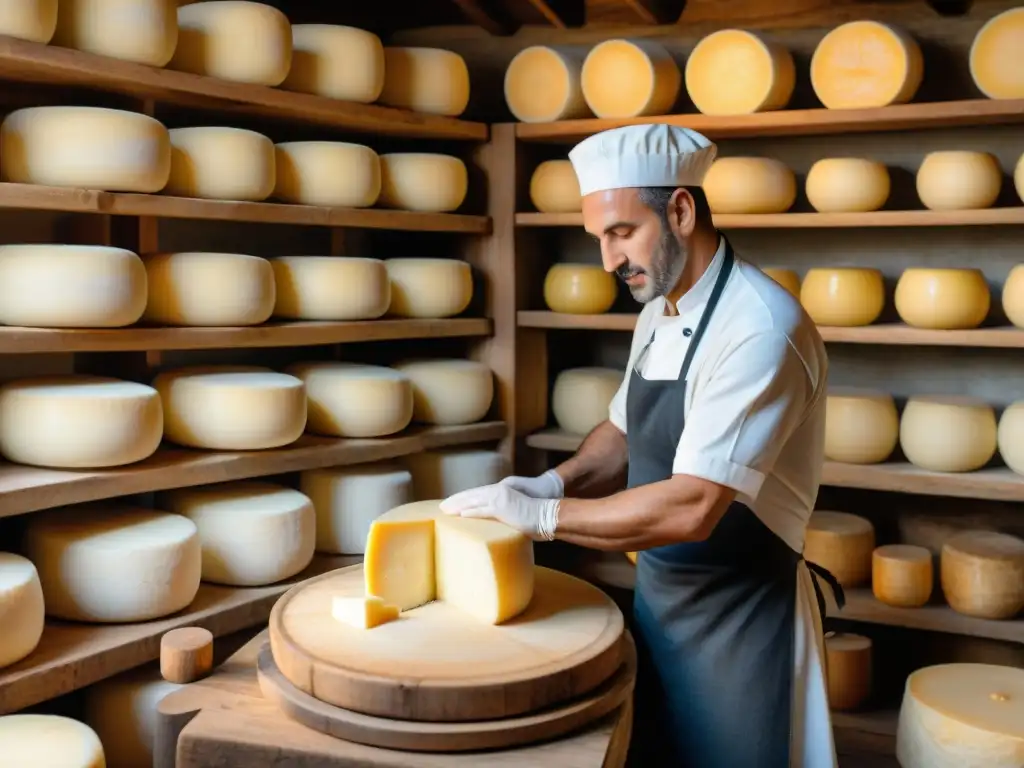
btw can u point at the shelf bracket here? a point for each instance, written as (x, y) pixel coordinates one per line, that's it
(656, 12)
(489, 16)
(950, 7)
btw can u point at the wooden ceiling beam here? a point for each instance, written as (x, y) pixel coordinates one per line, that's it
(950, 7)
(489, 15)
(562, 14)
(655, 12)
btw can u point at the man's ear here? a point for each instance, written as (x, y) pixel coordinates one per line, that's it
(682, 213)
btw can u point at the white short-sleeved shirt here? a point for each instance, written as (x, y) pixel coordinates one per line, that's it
(755, 393)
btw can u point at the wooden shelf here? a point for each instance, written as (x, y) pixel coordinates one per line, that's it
(28, 62)
(27, 489)
(800, 122)
(612, 321)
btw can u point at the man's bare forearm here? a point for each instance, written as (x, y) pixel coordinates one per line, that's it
(599, 466)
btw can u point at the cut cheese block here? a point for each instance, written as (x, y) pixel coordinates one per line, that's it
(995, 56)
(363, 612)
(630, 78)
(429, 288)
(211, 42)
(109, 563)
(143, 31)
(399, 562)
(579, 289)
(440, 474)
(847, 185)
(33, 20)
(79, 422)
(865, 64)
(948, 434)
(422, 181)
(902, 575)
(328, 173)
(962, 716)
(348, 499)
(252, 533)
(787, 278)
(449, 392)
(943, 299)
(843, 296)
(90, 147)
(49, 741)
(861, 427)
(735, 72)
(430, 80)
(543, 84)
(355, 400)
(581, 396)
(336, 288)
(21, 608)
(959, 180)
(632, 557)
(848, 661)
(221, 164)
(337, 62)
(749, 185)
(983, 574)
(554, 188)
(70, 286)
(1013, 296)
(1010, 437)
(231, 407)
(842, 544)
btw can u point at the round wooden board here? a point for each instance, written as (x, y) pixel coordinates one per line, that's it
(437, 663)
(412, 736)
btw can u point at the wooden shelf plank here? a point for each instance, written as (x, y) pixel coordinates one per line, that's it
(612, 321)
(28, 62)
(27, 489)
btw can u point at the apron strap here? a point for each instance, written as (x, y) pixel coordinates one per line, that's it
(837, 589)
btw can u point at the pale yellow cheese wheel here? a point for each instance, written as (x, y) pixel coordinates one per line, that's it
(1018, 178)
(787, 278)
(902, 575)
(1013, 296)
(328, 173)
(581, 396)
(142, 31)
(430, 80)
(630, 78)
(842, 544)
(861, 427)
(749, 185)
(355, 400)
(555, 188)
(948, 434)
(983, 574)
(848, 661)
(221, 164)
(422, 181)
(448, 392)
(943, 299)
(736, 72)
(847, 185)
(543, 84)
(33, 20)
(579, 289)
(843, 296)
(49, 741)
(429, 288)
(332, 288)
(995, 57)
(959, 180)
(337, 62)
(1010, 437)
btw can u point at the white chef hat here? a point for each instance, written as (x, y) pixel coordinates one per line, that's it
(653, 155)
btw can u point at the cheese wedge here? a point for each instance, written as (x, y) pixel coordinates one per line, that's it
(363, 612)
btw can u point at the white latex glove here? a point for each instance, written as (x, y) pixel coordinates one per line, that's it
(546, 486)
(537, 518)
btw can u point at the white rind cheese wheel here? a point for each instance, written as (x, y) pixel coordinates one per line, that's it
(543, 84)
(735, 72)
(630, 78)
(348, 499)
(1013, 296)
(430, 80)
(429, 288)
(143, 31)
(49, 741)
(252, 533)
(221, 164)
(70, 286)
(787, 278)
(902, 575)
(335, 288)
(114, 564)
(88, 147)
(749, 185)
(860, 427)
(1010, 437)
(843, 296)
(579, 289)
(866, 64)
(440, 474)
(847, 185)
(581, 396)
(850, 668)
(211, 42)
(554, 188)
(959, 180)
(449, 392)
(327, 173)
(355, 400)
(21, 608)
(231, 407)
(948, 434)
(842, 544)
(995, 56)
(422, 181)
(962, 716)
(79, 422)
(943, 299)
(33, 20)
(338, 62)
(983, 574)
(1018, 178)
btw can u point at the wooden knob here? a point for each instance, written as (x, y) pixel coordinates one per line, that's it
(186, 654)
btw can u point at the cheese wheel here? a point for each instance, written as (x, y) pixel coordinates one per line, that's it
(866, 64)
(337, 62)
(449, 392)
(221, 164)
(554, 188)
(355, 400)
(79, 422)
(1013, 296)
(70, 286)
(848, 661)
(422, 181)
(995, 56)
(348, 499)
(209, 289)
(948, 434)
(429, 288)
(49, 741)
(543, 84)
(959, 180)
(33, 20)
(962, 716)
(231, 407)
(842, 544)
(440, 474)
(843, 296)
(787, 278)
(630, 78)
(89, 147)
(749, 185)
(108, 563)
(847, 185)
(21, 608)
(233, 40)
(337, 288)
(581, 396)
(328, 173)
(579, 289)
(736, 72)
(861, 427)
(430, 80)
(983, 574)
(902, 575)
(1010, 437)
(143, 31)
(944, 299)
(1018, 177)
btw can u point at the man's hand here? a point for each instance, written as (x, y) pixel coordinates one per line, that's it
(546, 486)
(537, 518)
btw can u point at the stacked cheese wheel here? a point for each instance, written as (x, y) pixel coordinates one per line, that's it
(50, 740)
(579, 289)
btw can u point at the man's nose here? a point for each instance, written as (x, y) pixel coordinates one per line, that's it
(611, 260)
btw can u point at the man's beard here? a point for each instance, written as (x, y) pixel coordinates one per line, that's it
(667, 264)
